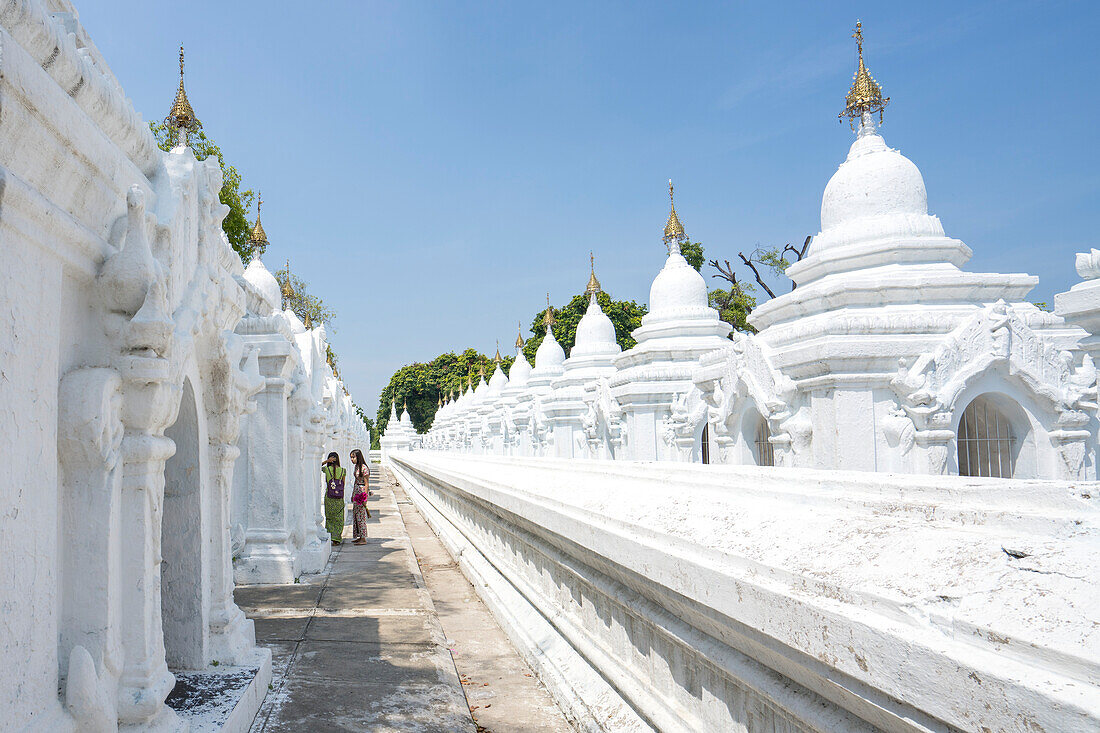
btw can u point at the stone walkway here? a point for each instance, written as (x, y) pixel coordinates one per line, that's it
(367, 644)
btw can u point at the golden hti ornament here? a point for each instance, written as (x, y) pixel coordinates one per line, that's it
(519, 335)
(288, 287)
(548, 317)
(258, 237)
(182, 118)
(674, 230)
(497, 360)
(593, 283)
(865, 96)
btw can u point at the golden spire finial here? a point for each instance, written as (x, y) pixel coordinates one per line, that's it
(497, 360)
(519, 335)
(674, 230)
(181, 117)
(865, 95)
(593, 283)
(548, 317)
(439, 403)
(481, 371)
(307, 321)
(258, 238)
(288, 286)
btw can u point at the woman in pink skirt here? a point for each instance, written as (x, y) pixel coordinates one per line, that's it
(359, 512)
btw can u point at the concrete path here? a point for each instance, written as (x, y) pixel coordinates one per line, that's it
(503, 694)
(361, 647)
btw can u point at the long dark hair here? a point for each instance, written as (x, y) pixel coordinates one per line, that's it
(358, 456)
(334, 456)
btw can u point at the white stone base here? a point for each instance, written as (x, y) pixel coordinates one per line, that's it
(266, 564)
(313, 557)
(232, 708)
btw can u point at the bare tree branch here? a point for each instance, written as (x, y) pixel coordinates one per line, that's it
(725, 273)
(759, 280)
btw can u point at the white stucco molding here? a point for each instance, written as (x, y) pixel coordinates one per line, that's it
(1032, 370)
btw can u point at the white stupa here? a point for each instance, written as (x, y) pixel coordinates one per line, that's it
(514, 420)
(679, 328)
(266, 286)
(549, 361)
(591, 358)
(881, 286)
(549, 357)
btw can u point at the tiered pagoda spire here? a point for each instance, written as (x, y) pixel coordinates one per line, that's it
(593, 283)
(865, 95)
(258, 237)
(288, 286)
(674, 230)
(181, 117)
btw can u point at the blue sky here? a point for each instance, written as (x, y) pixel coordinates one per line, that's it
(433, 169)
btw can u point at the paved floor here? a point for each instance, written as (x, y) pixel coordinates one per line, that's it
(367, 644)
(502, 692)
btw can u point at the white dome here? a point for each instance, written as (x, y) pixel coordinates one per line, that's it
(520, 371)
(595, 333)
(498, 381)
(550, 354)
(874, 181)
(295, 323)
(262, 279)
(678, 292)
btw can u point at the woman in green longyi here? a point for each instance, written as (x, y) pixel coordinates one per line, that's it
(334, 496)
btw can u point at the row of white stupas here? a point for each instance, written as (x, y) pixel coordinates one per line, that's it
(303, 412)
(166, 415)
(885, 357)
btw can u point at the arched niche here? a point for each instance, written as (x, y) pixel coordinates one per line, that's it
(988, 440)
(756, 449)
(183, 616)
(992, 415)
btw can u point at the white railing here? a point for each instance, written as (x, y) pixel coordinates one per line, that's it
(699, 598)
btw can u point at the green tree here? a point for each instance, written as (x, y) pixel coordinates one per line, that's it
(370, 425)
(422, 385)
(693, 253)
(308, 307)
(734, 305)
(236, 224)
(625, 315)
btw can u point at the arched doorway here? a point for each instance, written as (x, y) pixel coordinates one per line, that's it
(763, 450)
(988, 441)
(181, 577)
(755, 443)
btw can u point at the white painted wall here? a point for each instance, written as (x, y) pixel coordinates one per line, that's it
(693, 598)
(122, 395)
